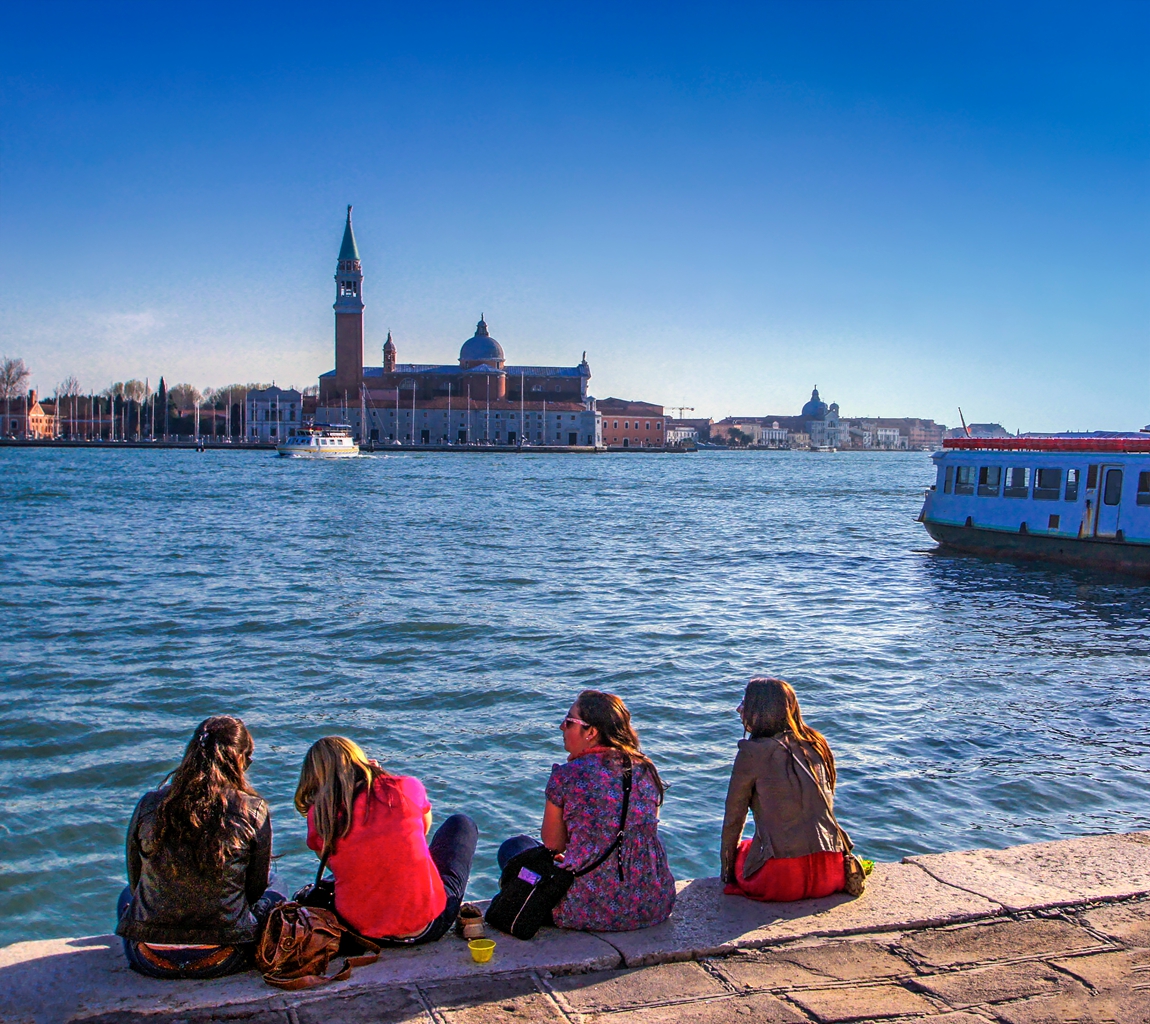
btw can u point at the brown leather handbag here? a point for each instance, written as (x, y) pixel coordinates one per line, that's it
(298, 942)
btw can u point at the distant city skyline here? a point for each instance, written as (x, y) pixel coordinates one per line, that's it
(913, 207)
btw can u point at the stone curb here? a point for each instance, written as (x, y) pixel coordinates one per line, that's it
(60, 980)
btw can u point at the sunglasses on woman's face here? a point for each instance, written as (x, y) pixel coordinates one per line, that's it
(569, 721)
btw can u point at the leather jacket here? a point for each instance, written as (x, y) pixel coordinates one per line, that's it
(773, 778)
(173, 902)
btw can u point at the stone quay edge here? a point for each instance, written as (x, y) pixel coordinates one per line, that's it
(935, 896)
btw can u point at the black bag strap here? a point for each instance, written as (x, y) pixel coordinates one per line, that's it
(622, 824)
(322, 865)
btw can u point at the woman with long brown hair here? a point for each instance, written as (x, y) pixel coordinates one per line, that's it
(785, 774)
(199, 852)
(371, 827)
(633, 887)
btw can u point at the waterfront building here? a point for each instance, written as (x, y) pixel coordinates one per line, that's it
(478, 399)
(273, 413)
(681, 433)
(632, 424)
(29, 417)
(981, 430)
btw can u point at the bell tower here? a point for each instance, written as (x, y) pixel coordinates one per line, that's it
(348, 317)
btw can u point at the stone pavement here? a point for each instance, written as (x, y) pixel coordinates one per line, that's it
(1054, 932)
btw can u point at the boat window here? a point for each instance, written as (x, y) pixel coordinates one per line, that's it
(1017, 482)
(1048, 484)
(964, 480)
(1072, 484)
(1091, 478)
(948, 485)
(1112, 492)
(1144, 488)
(989, 480)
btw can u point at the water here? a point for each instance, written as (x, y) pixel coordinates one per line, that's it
(444, 610)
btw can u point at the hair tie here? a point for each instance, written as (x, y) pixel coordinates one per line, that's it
(203, 737)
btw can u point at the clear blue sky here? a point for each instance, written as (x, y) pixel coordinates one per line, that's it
(913, 205)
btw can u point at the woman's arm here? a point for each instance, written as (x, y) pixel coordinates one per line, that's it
(554, 831)
(260, 861)
(739, 793)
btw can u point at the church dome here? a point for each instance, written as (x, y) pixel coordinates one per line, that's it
(816, 408)
(481, 347)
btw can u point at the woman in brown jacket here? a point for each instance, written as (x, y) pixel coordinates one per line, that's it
(785, 774)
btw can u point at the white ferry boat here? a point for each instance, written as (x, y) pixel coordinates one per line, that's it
(323, 441)
(1078, 499)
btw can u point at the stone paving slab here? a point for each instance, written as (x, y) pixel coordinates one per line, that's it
(862, 1002)
(707, 923)
(1000, 940)
(1043, 875)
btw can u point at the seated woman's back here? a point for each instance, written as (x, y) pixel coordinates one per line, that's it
(385, 880)
(199, 849)
(634, 887)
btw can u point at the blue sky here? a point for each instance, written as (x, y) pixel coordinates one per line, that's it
(914, 206)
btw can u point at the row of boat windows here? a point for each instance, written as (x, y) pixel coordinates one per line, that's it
(1045, 484)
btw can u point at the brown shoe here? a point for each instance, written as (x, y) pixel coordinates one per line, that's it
(469, 924)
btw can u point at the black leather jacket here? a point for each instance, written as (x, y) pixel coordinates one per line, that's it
(173, 903)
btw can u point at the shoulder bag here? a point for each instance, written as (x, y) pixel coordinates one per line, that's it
(532, 884)
(301, 938)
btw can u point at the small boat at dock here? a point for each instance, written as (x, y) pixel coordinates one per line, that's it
(1074, 499)
(323, 441)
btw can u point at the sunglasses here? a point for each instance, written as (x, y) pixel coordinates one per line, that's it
(569, 721)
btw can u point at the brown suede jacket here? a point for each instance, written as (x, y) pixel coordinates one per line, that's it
(772, 778)
(172, 902)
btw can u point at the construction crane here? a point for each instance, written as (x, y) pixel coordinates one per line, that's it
(680, 409)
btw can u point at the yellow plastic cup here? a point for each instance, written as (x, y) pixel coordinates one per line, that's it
(481, 950)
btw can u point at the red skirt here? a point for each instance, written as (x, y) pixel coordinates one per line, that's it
(783, 879)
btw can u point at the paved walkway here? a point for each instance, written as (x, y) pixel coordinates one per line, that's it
(1056, 932)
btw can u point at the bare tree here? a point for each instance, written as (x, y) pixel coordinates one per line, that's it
(134, 390)
(69, 387)
(13, 377)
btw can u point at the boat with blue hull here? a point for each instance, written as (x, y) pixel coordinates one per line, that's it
(1075, 499)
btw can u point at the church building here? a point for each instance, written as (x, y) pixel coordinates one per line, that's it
(479, 399)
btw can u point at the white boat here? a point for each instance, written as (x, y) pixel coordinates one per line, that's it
(1078, 499)
(323, 441)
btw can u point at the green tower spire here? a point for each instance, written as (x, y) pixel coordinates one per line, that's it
(349, 250)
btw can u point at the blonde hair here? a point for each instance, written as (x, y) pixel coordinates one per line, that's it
(770, 707)
(335, 769)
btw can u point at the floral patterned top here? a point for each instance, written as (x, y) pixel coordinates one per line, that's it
(632, 888)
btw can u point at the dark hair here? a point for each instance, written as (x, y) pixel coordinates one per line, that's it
(770, 707)
(191, 820)
(608, 714)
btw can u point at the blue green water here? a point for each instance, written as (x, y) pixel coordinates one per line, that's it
(443, 610)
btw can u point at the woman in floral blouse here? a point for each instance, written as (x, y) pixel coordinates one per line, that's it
(632, 888)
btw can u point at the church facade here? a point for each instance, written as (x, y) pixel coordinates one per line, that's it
(478, 399)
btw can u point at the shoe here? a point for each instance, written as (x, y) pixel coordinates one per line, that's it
(469, 924)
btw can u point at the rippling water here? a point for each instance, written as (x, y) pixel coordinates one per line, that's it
(443, 610)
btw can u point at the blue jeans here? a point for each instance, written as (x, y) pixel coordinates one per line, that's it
(452, 848)
(184, 961)
(513, 847)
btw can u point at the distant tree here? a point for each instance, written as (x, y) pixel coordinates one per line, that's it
(184, 396)
(311, 391)
(13, 377)
(69, 387)
(134, 390)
